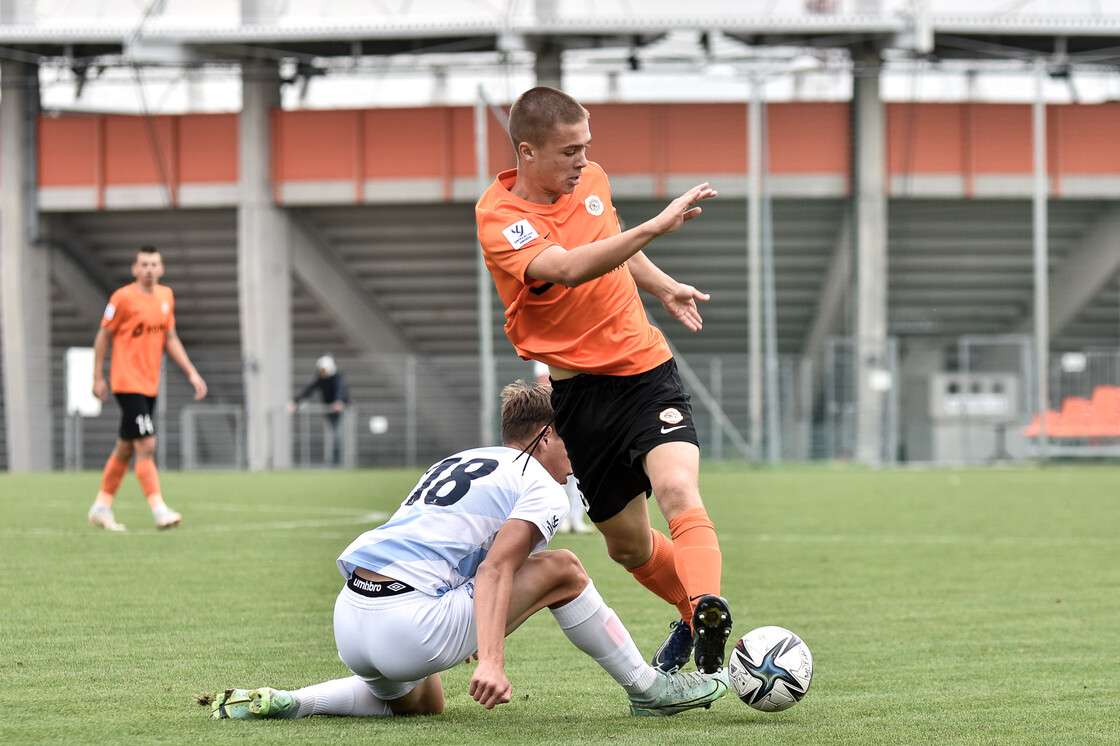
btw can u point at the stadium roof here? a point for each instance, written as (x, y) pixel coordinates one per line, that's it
(403, 52)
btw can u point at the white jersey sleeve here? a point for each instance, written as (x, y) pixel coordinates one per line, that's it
(442, 531)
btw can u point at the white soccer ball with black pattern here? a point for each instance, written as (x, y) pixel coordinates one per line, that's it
(770, 668)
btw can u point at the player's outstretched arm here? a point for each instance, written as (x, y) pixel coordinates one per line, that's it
(575, 266)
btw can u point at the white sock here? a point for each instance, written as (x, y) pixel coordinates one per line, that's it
(594, 628)
(348, 697)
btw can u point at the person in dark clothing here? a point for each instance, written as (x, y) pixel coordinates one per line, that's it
(332, 387)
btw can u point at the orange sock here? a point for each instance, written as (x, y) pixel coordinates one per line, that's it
(148, 477)
(659, 574)
(111, 477)
(696, 549)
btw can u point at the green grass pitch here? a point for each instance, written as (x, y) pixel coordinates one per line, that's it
(941, 607)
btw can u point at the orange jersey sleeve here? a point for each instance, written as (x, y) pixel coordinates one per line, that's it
(139, 323)
(599, 327)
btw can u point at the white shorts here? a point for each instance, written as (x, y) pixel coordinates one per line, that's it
(394, 643)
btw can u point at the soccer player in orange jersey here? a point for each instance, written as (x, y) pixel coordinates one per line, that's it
(569, 279)
(140, 321)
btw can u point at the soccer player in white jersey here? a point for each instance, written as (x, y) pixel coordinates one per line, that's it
(459, 566)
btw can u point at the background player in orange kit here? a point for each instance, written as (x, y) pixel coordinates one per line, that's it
(569, 280)
(140, 321)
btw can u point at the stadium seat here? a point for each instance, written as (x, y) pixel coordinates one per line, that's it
(1105, 412)
(1076, 419)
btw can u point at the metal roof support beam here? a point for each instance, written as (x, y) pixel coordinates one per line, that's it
(24, 277)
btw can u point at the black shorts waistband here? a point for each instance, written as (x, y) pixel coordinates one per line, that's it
(377, 588)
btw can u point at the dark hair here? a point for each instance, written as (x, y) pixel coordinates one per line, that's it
(526, 410)
(537, 112)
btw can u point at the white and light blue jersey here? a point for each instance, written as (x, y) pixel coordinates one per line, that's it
(442, 531)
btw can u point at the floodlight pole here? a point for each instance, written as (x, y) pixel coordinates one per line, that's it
(486, 367)
(1041, 258)
(754, 264)
(769, 305)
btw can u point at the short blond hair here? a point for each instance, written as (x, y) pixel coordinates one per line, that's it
(526, 410)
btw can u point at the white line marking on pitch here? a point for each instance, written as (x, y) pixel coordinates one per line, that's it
(1034, 541)
(354, 519)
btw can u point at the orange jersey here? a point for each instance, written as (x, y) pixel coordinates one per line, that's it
(599, 327)
(139, 323)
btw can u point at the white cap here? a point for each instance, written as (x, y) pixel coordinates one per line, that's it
(326, 363)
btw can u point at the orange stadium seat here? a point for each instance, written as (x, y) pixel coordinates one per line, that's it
(1076, 419)
(1105, 412)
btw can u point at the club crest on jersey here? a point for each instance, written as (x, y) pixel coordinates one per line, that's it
(594, 205)
(670, 416)
(519, 234)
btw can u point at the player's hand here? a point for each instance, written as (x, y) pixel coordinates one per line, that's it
(199, 386)
(683, 208)
(338, 406)
(101, 389)
(489, 686)
(681, 303)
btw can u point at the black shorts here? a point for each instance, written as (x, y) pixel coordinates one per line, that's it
(608, 423)
(136, 416)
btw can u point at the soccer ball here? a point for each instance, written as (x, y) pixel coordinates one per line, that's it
(770, 668)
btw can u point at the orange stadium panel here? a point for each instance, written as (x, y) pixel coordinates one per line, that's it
(809, 138)
(623, 136)
(1001, 139)
(138, 150)
(316, 145)
(69, 149)
(1086, 138)
(405, 143)
(208, 151)
(435, 146)
(927, 138)
(705, 138)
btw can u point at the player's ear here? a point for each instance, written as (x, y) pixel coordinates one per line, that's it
(525, 151)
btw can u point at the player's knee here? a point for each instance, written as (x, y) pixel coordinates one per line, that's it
(677, 495)
(629, 554)
(569, 567)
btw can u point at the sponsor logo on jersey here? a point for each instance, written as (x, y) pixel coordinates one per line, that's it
(594, 205)
(110, 311)
(141, 330)
(519, 234)
(671, 416)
